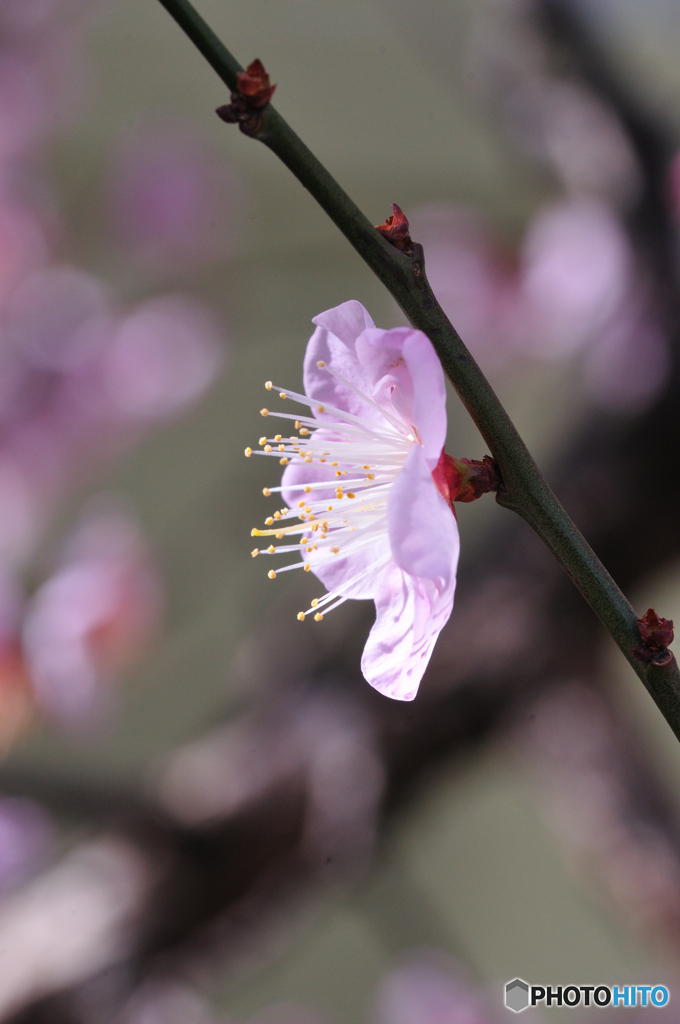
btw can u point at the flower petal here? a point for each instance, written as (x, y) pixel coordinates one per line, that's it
(429, 394)
(380, 353)
(410, 614)
(333, 343)
(422, 529)
(407, 378)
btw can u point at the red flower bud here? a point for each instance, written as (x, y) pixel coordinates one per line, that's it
(656, 635)
(248, 103)
(254, 83)
(395, 230)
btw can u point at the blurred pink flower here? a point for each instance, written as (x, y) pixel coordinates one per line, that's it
(161, 358)
(377, 526)
(576, 267)
(427, 991)
(172, 202)
(26, 835)
(23, 245)
(91, 616)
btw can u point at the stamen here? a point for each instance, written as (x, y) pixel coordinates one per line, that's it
(248, 452)
(271, 574)
(267, 493)
(264, 412)
(255, 552)
(301, 616)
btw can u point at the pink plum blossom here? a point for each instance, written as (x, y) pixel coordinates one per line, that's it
(371, 520)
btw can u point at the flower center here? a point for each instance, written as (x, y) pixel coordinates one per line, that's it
(345, 469)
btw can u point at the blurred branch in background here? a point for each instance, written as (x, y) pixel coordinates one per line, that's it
(202, 873)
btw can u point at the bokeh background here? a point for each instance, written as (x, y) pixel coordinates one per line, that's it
(206, 816)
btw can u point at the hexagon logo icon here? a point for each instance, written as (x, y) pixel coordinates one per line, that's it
(517, 995)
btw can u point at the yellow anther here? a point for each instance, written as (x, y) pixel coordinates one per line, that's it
(283, 462)
(315, 602)
(268, 385)
(320, 363)
(318, 617)
(268, 448)
(282, 394)
(309, 550)
(307, 567)
(248, 452)
(301, 616)
(271, 574)
(285, 511)
(255, 552)
(263, 440)
(277, 515)
(333, 463)
(337, 472)
(308, 459)
(279, 536)
(329, 509)
(350, 495)
(322, 460)
(254, 533)
(315, 527)
(277, 437)
(267, 493)
(264, 412)
(369, 476)
(324, 527)
(282, 447)
(307, 490)
(300, 504)
(297, 426)
(365, 467)
(307, 509)
(336, 551)
(268, 521)
(320, 408)
(303, 540)
(303, 430)
(271, 549)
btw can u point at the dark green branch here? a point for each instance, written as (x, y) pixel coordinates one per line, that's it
(524, 489)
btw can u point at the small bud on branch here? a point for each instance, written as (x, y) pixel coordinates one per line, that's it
(396, 231)
(253, 94)
(656, 635)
